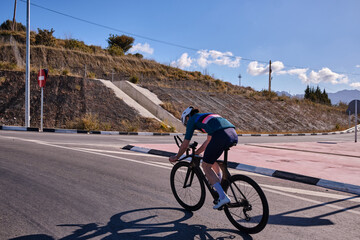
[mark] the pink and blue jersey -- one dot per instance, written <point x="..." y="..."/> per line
<point x="207" y="123"/>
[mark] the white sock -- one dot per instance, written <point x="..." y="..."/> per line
<point x="219" y="175"/>
<point x="219" y="190"/>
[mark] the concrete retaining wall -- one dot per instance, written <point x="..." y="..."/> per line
<point x="150" y="102"/>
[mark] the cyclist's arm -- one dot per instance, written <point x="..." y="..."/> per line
<point x="203" y="146"/>
<point x="183" y="147"/>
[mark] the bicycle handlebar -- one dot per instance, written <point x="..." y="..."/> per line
<point x="191" y="146"/>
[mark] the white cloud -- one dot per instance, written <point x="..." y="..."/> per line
<point x="183" y="62"/>
<point x="328" y="76"/>
<point x="355" y="85"/>
<point x="324" y="75"/>
<point x="300" y="72"/>
<point x="207" y="57"/>
<point x="145" y="48"/>
<point x="255" y="69"/>
<point x="358" y="66"/>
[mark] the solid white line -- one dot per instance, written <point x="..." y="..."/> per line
<point x="312" y="193"/>
<point x="80" y="150"/>
<point x="126" y="152"/>
<point x="166" y="167"/>
<point x="310" y="200"/>
<point x="162" y="163"/>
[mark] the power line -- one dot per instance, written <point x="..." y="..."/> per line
<point x="133" y="34"/>
<point x="166" y="42"/>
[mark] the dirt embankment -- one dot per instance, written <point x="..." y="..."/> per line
<point x="249" y="114"/>
<point x="69" y="97"/>
<point x="68" y="103"/>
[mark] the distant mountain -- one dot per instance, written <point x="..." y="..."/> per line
<point x="283" y="93"/>
<point x="345" y="96"/>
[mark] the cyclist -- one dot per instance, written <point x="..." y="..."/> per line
<point x="221" y="136"/>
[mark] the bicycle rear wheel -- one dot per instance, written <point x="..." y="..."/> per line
<point x="248" y="210"/>
<point x="187" y="187"/>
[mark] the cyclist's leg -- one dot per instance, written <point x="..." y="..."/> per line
<point x="212" y="152"/>
<point x="210" y="173"/>
<point x="217" y="170"/>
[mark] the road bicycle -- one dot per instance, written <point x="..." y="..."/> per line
<point x="248" y="209"/>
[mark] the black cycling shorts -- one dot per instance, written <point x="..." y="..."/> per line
<point x="220" y="140"/>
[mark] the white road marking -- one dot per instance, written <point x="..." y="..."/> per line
<point x="311" y="193"/>
<point x="312" y="201"/>
<point x="126" y="152"/>
<point x="264" y="187"/>
<point x="86" y="151"/>
<point x="162" y="163"/>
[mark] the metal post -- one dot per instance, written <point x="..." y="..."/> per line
<point x="356" y="120"/>
<point x="270" y="77"/>
<point x="13" y="25"/>
<point x="349" y="119"/>
<point x="27" y="75"/>
<point x="42" y="109"/>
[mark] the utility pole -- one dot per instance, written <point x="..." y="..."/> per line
<point x="270" y="77"/>
<point x="27" y="75"/>
<point x="239" y="80"/>
<point x="13" y="25"/>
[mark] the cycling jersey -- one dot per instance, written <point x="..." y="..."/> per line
<point x="207" y="123"/>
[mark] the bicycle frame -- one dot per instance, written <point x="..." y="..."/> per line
<point x="239" y="210"/>
<point x="195" y="163"/>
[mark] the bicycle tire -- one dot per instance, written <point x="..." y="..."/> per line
<point x="253" y="216"/>
<point x="191" y="197"/>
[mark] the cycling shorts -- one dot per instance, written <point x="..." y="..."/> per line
<point x="221" y="140"/>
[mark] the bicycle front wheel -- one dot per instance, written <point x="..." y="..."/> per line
<point x="248" y="210"/>
<point x="187" y="187"/>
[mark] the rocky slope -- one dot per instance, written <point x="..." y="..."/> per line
<point x="68" y="97"/>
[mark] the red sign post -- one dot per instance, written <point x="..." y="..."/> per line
<point x="42" y="75"/>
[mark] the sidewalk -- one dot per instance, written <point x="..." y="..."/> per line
<point x="333" y="165"/>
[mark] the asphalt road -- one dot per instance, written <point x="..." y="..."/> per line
<point x="74" y="186"/>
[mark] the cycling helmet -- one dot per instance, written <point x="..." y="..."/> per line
<point x="185" y="114"/>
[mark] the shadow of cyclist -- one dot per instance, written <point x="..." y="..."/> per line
<point x="148" y="223"/>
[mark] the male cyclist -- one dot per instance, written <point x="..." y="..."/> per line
<point x="221" y="136"/>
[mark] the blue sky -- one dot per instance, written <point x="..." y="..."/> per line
<point x="313" y="42"/>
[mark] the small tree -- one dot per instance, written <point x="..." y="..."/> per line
<point x="7" y="25"/>
<point x="316" y="95"/>
<point x="116" y="50"/>
<point x="123" y="41"/>
<point x="45" y="37"/>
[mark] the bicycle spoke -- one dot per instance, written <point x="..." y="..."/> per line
<point x="188" y="190"/>
<point x="251" y="214"/>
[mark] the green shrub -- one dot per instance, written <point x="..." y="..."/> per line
<point x="45" y="37"/>
<point x="7" y="65"/>
<point x="7" y="25"/>
<point x="65" y="72"/>
<point x="91" y="75"/>
<point x="116" y="51"/>
<point x="134" y="79"/>
<point x="2" y="80"/>
<point x="74" y="44"/>
<point x="89" y="122"/>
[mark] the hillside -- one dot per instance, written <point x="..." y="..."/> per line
<point x="69" y="102"/>
<point x="69" y="97"/>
